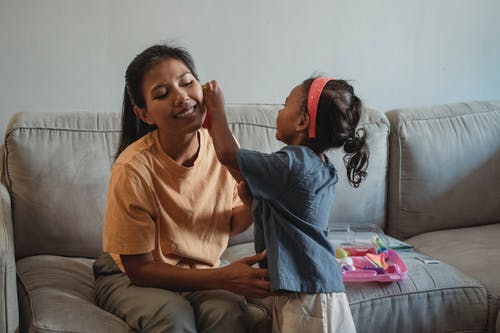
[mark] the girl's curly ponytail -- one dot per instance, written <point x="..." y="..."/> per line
<point x="356" y="158"/>
<point x="339" y="111"/>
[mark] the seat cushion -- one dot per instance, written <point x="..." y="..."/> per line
<point x="474" y="251"/>
<point x="434" y="298"/>
<point x="56" y="294"/>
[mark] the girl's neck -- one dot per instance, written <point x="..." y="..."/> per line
<point x="302" y="140"/>
<point x="182" y="149"/>
<point x="299" y="139"/>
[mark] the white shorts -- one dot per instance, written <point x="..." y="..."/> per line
<point x="323" y="313"/>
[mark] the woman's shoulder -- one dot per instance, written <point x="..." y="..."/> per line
<point x="137" y="154"/>
<point x="207" y="149"/>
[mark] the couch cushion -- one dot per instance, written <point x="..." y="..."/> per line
<point x="366" y="204"/>
<point x="57" y="295"/>
<point x="472" y="250"/>
<point x="437" y="298"/>
<point x="57" y="170"/>
<point x="445" y="168"/>
<point x="434" y="298"/>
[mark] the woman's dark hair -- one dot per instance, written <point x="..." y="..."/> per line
<point x="134" y="128"/>
<point x="339" y="111"/>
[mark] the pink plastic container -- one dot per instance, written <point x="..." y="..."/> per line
<point x="363" y="275"/>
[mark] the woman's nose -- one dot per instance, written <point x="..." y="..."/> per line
<point x="180" y="97"/>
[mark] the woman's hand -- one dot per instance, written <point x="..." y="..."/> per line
<point x="243" y="279"/>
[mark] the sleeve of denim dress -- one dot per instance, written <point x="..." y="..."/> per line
<point x="266" y="175"/>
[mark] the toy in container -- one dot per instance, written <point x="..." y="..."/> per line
<point x="364" y="255"/>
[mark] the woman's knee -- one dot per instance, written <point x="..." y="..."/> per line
<point x="172" y="316"/>
<point x="219" y="311"/>
<point x="145" y="309"/>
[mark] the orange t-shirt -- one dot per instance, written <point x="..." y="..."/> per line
<point x="180" y="214"/>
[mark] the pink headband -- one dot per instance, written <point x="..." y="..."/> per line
<point x="312" y="102"/>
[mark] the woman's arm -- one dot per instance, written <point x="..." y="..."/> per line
<point x="238" y="277"/>
<point x="241" y="219"/>
<point x="242" y="215"/>
<point x="224" y="142"/>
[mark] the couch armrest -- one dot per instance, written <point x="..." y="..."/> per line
<point x="9" y="313"/>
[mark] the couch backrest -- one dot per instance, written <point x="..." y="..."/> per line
<point x="444" y="167"/>
<point x="57" y="169"/>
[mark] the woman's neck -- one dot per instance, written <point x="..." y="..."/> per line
<point x="182" y="149"/>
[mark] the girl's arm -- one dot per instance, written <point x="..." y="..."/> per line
<point x="238" y="277"/>
<point x="224" y="142"/>
<point x="226" y="148"/>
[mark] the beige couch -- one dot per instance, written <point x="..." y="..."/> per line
<point x="433" y="180"/>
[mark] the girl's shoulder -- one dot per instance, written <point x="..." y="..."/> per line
<point x="298" y="149"/>
<point x="305" y="159"/>
<point x="301" y="153"/>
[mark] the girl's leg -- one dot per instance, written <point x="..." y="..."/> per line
<point x="144" y="309"/>
<point x="299" y="312"/>
<point x="338" y="313"/>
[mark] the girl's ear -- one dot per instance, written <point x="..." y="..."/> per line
<point x="302" y="122"/>
<point x="143" y="115"/>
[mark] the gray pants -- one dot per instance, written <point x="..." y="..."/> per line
<point x="160" y="310"/>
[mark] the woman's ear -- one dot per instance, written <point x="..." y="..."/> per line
<point x="302" y="122"/>
<point x="143" y="115"/>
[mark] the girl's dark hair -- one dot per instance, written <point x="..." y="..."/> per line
<point x="339" y="111"/>
<point x="134" y="128"/>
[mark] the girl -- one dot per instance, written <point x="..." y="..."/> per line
<point x="293" y="190"/>
<point x="171" y="209"/>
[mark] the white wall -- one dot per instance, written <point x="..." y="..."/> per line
<point x="66" y="55"/>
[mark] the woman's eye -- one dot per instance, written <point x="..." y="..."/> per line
<point x="162" y="95"/>
<point x="187" y="84"/>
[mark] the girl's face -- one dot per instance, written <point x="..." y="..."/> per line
<point x="290" y="121"/>
<point x="174" y="98"/>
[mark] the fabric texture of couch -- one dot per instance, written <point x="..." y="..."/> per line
<point x="433" y="180"/>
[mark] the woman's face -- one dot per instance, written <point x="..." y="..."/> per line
<point x="290" y="116"/>
<point x="174" y="98"/>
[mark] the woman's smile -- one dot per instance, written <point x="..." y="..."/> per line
<point x="187" y="110"/>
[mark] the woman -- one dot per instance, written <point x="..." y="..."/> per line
<point x="171" y="209"/>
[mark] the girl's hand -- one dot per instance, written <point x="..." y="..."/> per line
<point x="213" y="97"/>
<point x="243" y="279"/>
<point x="245" y="194"/>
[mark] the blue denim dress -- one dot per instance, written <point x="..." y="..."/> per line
<point x="293" y="191"/>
